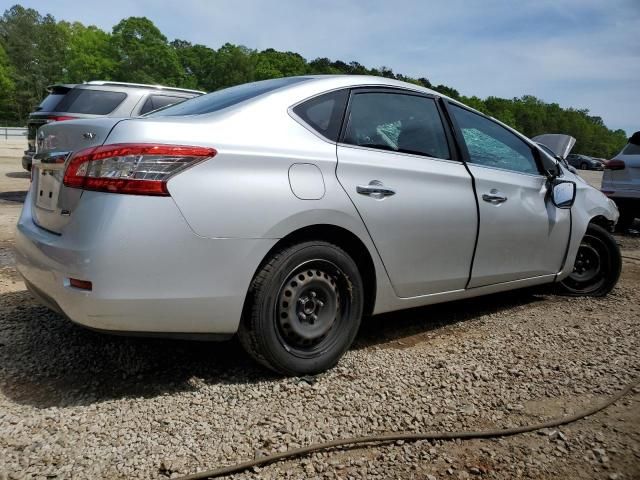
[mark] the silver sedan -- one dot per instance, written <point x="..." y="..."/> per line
<point x="287" y="210"/>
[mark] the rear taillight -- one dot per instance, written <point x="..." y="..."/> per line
<point x="81" y="284"/>
<point x="138" y="169"/>
<point x="614" y="164"/>
<point x="59" y="118"/>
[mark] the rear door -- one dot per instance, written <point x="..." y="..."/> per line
<point x="397" y="164"/>
<point x="522" y="234"/>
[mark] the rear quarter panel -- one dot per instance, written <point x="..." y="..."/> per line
<point x="244" y="192"/>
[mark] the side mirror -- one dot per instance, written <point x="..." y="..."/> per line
<point x="563" y="193"/>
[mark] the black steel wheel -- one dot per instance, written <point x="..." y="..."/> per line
<point x="304" y="309"/>
<point x="597" y="265"/>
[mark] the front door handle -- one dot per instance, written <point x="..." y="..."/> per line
<point x="375" y="189"/>
<point x="494" y="196"/>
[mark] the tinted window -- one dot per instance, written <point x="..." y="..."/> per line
<point x="50" y="102"/>
<point x="492" y="145"/>
<point x="155" y="102"/>
<point x="397" y="122"/>
<point x="227" y="97"/>
<point x="96" y="102"/>
<point x="324" y="113"/>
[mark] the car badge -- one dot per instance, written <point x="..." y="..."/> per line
<point x="89" y="135"/>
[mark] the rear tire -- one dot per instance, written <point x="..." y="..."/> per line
<point x="584" y="166"/>
<point x="597" y="266"/>
<point x="303" y="309"/>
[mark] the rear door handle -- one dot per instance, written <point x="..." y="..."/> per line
<point x="494" y="196"/>
<point x="375" y="189"/>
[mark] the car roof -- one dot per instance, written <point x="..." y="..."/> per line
<point x="342" y="81"/>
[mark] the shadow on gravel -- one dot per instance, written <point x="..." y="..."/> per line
<point x="13" y="197"/>
<point x="408" y="326"/>
<point x="18" y="174"/>
<point x="47" y="361"/>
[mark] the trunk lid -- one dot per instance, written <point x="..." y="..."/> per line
<point x="52" y="202"/>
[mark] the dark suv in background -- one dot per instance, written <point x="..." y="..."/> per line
<point x="98" y="99"/>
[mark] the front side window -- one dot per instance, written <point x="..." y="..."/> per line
<point x="492" y="145"/>
<point x="95" y="102"/>
<point x="396" y="122"/>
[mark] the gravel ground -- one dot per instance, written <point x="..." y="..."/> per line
<point x="76" y="404"/>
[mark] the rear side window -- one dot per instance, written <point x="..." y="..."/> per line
<point x="50" y="102"/>
<point x="154" y="102"/>
<point x="324" y="113"/>
<point x="397" y="122"/>
<point x="95" y="102"/>
<point x="492" y="145"/>
<point x="227" y="97"/>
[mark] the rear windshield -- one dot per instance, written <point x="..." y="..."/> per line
<point x="227" y="97"/>
<point x="95" y="102"/>
<point x="50" y="102"/>
<point x="631" y="149"/>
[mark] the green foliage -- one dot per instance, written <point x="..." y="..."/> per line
<point x="36" y="51"/>
<point x="143" y="54"/>
<point x="35" y="48"/>
<point x="90" y="54"/>
<point x="7" y="87"/>
<point x="273" y="64"/>
<point x="234" y="64"/>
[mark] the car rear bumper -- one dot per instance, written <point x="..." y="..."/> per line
<point x="149" y="272"/>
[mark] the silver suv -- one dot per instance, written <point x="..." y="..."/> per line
<point x="99" y="99"/>
<point x="621" y="181"/>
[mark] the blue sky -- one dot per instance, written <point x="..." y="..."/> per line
<point x="579" y="53"/>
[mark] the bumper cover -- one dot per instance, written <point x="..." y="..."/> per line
<point x="150" y="272"/>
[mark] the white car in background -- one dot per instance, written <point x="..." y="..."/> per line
<point x="621" y="182"/>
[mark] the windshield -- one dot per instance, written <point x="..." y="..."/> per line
<point x="224" y="98"/>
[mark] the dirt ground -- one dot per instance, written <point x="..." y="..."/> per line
<point x="603" y="446"/>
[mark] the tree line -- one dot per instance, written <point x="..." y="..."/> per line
<point x="37" y="51"/>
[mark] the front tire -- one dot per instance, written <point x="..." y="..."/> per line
<point x="584" y="166"/>
<point x="303" y="309"/>
<point x="597" y="266"/>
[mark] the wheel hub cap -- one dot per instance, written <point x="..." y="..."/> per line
<point x="307" y="307"/>
<point x="587" y="264"/>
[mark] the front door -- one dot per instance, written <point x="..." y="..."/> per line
<point x="396" y="164"/>
<point x="522" y="234"/>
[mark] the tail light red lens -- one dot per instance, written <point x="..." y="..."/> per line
<point x="81" y="284"/>
<point x="137" y="169"/>
<point x="614" y="164"/>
